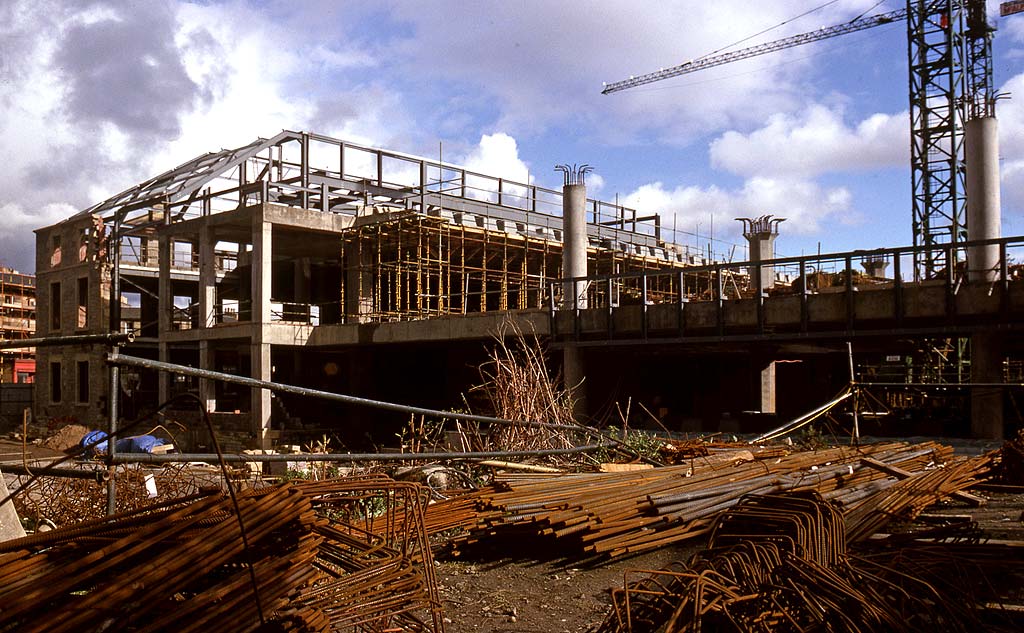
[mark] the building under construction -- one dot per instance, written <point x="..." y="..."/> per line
<point x="17" y="321"/>
<point x="311" y="261"/>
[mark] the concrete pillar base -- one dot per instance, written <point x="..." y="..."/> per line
<point x="207" y="391"/>
<point x="986" y="402"/>
<point x="766" y="394"/>
<point x="573" y="375"/>
<point x="261" y="397"/>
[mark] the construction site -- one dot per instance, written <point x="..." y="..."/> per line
<point x="313" y="385"/>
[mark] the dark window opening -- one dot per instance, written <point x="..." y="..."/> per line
<point x="55" y="383"/>
<point x="55" y="307"/>
<point x="83" y="302"/>
<point x="83" y="382"/>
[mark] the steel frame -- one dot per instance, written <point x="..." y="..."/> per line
<point x="936" y="54"/>
<point x="317" y="172"/>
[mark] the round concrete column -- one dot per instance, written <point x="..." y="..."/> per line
<point x="574" y="244"/>
<point x="983" y="204"/>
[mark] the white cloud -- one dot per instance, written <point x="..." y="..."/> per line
<point x="1012" y="182"/>
<point x="1011" y="146"/>
<point x="498" y="155"/>
<point x="543" y="64"/>
<point x="818" y="141"/>
<point x="805" y="205"/>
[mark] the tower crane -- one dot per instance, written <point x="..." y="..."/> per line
<point x="950" y="63"/>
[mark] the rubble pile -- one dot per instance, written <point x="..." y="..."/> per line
<point x="1011" y="463"/>
<point x="66" y="501"/>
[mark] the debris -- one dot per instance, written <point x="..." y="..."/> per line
<point x="65" y="438"/>
<point x="621" y="468"/>
<point x="535" y="468"/>
<point x="1010" y="467"/>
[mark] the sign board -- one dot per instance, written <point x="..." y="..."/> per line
<point x="1009" y="8"/>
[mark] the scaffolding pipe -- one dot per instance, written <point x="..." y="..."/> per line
<point x="800" y="421"/>
<point x="146" y="458"/>
<point x="113" y="338"/>
<point x="118" y="359"/>
<point x="98" y="476"/>
<point x="114" y="402"/>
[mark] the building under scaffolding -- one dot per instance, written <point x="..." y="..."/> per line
<point x="17" y="321"/>
<point x="285" y="259"/>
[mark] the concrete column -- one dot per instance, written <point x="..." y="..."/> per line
<point x="875" y="267"/>
<point x="573" y="375"/>
<point x="165" y="309"/>
<point x="207" y="278"/>
<point x="983" y="204"/>
<point x="761" y="234"/>
<point x="766" y="395"/>
<point x="262" y="279"/>
<point x="261" y="370"/>
<point x="574" y="244"/>
<point x="207" y="391"/>
<point x="574" y="293"/>
<point x="986" y="402"/>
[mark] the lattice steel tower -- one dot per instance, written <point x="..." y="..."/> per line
<point x="949" y="44"/>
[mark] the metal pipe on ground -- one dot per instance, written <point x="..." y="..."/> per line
<point x="146" y="458"/>
<point x="67" y="473"/>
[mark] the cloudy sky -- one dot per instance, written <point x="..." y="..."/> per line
<point x="98" y="95"/>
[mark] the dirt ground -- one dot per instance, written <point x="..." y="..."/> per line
<point x="536" y="592"/>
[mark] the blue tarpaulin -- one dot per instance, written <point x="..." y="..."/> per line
<point x="136" y="444"/>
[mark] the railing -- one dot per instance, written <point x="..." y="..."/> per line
<point x="791" y="276"/>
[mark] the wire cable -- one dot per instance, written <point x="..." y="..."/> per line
<point x="771" y="28"/>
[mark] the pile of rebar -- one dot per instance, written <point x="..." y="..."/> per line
<point x="325" y="556"/>
<point x="67" y="501"/>
<point x="181" y="567"/>
<point x="375" y="563"/>
<point x="627" y="512"/>
<point x="779" y="563"/>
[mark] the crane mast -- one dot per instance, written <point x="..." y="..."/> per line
<point x="949" y="49"/>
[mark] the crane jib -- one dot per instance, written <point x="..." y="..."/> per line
<point x="702" y="63"/>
